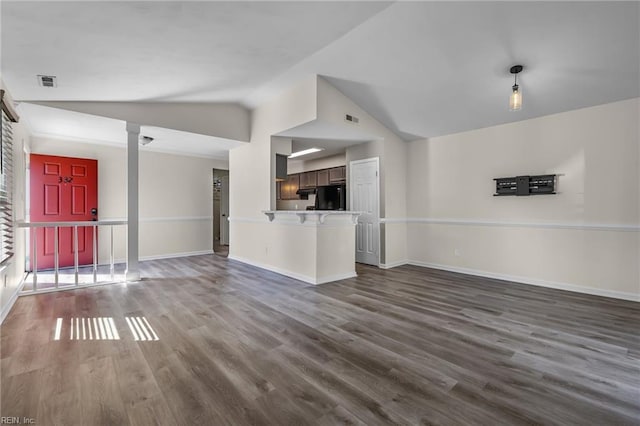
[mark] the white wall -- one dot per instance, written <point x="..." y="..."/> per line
<point x="252" y="167"/>
<point x="311" y="252"/>
<point x="176" y="197"/>
<point x="392" y="152"/>
<point x="584" y="238"/>
<point x="296" y="204"/>
<point x="176" y="202"/>
<point x="437" y="203"/>
<point x="252" y="176"/>
<point x="230" y="121"/>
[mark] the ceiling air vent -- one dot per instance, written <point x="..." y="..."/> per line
<point x="47" y="80"/>
<point x="351" y="118"/>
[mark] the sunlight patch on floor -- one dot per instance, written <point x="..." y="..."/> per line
<point x="141" y="329"/>
<point x="102" y="328"/>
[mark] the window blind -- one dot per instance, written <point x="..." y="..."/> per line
<point x="6" y="190"/>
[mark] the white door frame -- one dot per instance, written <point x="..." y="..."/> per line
<point x="224" y="210"/>
<point x="351" y="183"/>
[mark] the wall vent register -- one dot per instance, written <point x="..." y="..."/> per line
<point x="351" y="118"/>
<point x="526" y="185"/>
<point x="47" y="80"/>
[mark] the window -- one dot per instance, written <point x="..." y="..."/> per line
<point x="6" y="189"/>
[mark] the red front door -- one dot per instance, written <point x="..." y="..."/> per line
<point x="63" y="189"/>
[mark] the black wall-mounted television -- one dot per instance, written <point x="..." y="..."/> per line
<point x="331" y="197"/>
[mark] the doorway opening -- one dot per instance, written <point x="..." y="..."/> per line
<point x="221" y="212"/>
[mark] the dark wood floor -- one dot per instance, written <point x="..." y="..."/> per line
<point x="240" y="345"/>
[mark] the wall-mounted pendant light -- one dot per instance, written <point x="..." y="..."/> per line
<point x="515" y="100"/>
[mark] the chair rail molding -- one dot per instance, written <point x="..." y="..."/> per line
<point x="508" y="224"/>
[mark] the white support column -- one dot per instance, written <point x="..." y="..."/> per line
<point x="133" y="134"/>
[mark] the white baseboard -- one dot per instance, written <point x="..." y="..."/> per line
<point x="12" y="300"/>
<point x="305" y="278"/>
<point x="297" y="276"/>
<point x="337" y="277"/>
<point x="164" y="256"/>
<point x="393" y="264"/>
<point x="174" y="255"/>
<point x="532" y="281"/>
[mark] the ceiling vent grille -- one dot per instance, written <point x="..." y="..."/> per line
<point x="351" y="119"/>
<point x="48" y="80"/>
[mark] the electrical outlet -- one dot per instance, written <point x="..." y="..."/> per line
<point x="457" y="252"/>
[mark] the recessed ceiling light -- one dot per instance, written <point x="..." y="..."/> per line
<point x="305" y="152"/>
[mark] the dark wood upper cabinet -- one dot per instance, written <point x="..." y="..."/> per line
<point x="338" y="174"/>
<point x="289" y="187"/>
<point x="323" y="177"/>
<point x="308" y="180"/>
<point x="286" y="190"/>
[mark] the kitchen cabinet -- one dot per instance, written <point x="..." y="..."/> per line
<point x="286" y="189"/>
<point x="323" y="177"/>
<point x="308" y="180"/>
<point x="338" y="175"/>
<point x="289" y="187"/>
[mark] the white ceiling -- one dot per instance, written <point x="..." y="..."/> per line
<point x="171" y="50"/>
<point x="346" y="134"/>
<point x="421" y="68"/>
<point x="433" y="68"/>
<point x="56" y="123"/>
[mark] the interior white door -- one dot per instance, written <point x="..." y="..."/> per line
<point x="365" y="197"/>
<point x="224" y="210"/>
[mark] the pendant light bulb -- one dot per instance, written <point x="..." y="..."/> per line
<point x="515" y="100"/>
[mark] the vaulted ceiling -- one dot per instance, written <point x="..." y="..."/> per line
<point x="421" y="68"/>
